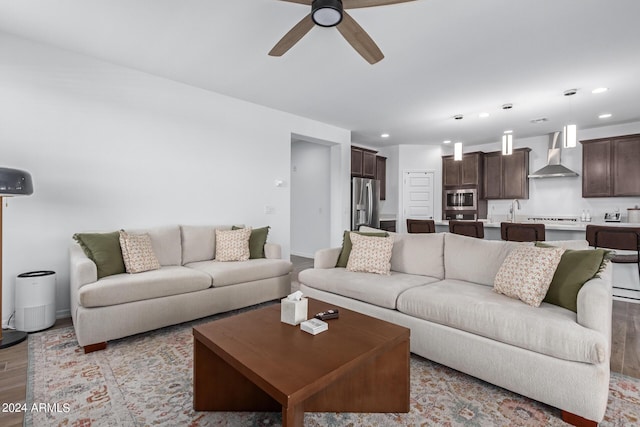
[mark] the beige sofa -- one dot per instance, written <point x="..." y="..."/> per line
<point x="189" y="285"/>
<point x="440" y="287"/>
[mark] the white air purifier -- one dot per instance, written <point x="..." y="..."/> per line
<point x="35" y="301"/>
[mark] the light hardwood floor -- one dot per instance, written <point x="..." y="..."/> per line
<point x="625" y="352"/>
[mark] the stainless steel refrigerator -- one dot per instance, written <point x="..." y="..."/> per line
<point x="365" y="203"/>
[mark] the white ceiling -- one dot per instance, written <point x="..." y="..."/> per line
<point x="442" y="58"/>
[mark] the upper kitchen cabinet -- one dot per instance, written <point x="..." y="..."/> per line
<point x="363" y="162"/>
<point x="366" y="164"/>
<point x="381" y="175"/>
<point x="465" y="172"/>
<point x="610" y="166"/>
<point x="506" y="177"/>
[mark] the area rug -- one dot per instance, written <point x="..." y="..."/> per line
<point x="146" y="380"/>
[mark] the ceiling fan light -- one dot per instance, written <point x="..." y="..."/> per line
<point x="326" y="13"/>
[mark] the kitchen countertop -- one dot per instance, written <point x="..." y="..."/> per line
<point x="570" y="226"/>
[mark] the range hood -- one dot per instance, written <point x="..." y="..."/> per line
<point x="553" y="169"/>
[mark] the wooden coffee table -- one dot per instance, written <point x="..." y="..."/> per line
<point x="254" y="362"/>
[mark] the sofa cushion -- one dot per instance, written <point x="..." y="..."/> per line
<point x="419" y="254"/>
<point x="166" y="242"/>
<point x="548" y="329"/>
<point x="345" y="252"/>
<point x="257" y="240"/>
<point x="233" y="245"/>
<point x="370" y="254"/>
<point x="231" y="273"/>
<point x="198" y="242"/>
<point x="575" y="269"/>
<point x="474" y="260"/>
<point x="104" y="250"/>
<point x="374" y="289"/>
<point x="123" y="288"/>
<point x="526" y="273"/>
<point x="137" y="252"/>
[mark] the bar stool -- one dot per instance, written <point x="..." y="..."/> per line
<point x="623" y="238"/>
<point x="421" y="226"/>
<point x="519" y="232"/>
<point x="467" y="228"/>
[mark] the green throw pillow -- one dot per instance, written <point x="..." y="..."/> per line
<point x="256" y="241"/>
<point x="346" y="245"/>
<point x="104" y="250"/>
<point x="575" y="269"/>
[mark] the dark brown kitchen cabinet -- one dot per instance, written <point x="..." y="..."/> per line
<point x="506" y="177"/>
<point x="363" y="162"/>
<point x="381" y="175"/>
<point x="465" y="172"/>
<point x="610" y="167"/>
<point x="492" y="175"/>
<point x="388" y="225"/>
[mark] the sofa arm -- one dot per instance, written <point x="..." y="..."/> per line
<point x="595" y="303"/>
<point x="272" y="251"/>
<point x="81" y="269"/>
<point x="326" y="258"/>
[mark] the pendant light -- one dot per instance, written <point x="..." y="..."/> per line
<point x="507" y="143"/>
<point x="457" y="151"/>
<point x="569" y="137"/>
<point x="569" y="134"/>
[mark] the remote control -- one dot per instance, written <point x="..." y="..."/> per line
<point x="329" y="314"/>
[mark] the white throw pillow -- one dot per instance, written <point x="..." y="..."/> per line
<point x="232" y="245"/>
<point x="526" y="273"/>
<point x="137" y="252"/>
<point x="370" y="254"/>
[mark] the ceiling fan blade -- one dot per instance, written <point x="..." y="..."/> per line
<point x="359" y="39"/>
<point x="293" y="36"/>
<point x="355" y="4"/>
<point x="307" y="2"/>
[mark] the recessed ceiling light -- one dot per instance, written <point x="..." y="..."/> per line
<point x="483" y="115"/>
<point x="384" y="135"/>
<point x="600" y="90"/>
<point x="458" y="117"/>
<point x="508" y="131"/>
<point x="507" y="106"/>
<point x="448" y="141"/>
<point x="604" y="116"/>
<point x="570" y="92"/>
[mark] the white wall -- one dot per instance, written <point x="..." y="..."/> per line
<point x="310" y="197"/>
<point x="109" y="147"/>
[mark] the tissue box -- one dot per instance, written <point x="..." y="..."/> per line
<point x="293" y="312"/>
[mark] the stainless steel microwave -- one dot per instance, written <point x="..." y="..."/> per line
<point x="461" y="199"/>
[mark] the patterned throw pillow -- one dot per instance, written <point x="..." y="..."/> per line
<point x="370" y="254"/>
<point x="233" y="245"/>
<point x="137" y="252"/>
<point x="526" y="273"/>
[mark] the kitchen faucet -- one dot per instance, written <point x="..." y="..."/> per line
<point x="515" y="205"/>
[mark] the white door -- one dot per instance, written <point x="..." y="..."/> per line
<point x="417" y="197"/>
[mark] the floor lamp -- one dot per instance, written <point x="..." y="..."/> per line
<point x="13" y="182"/>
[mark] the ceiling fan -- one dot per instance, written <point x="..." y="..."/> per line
<point x="331" y="13"/>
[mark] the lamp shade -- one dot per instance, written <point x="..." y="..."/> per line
<point x="15" y="182"/>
